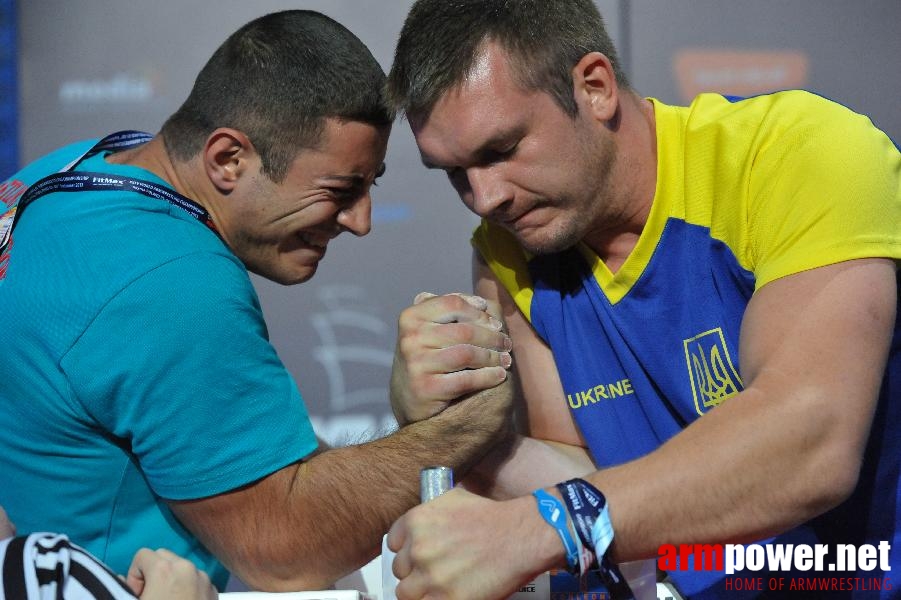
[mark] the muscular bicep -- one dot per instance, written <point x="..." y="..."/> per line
<point x="542" y="411"/>
<point x="819" y="340"/>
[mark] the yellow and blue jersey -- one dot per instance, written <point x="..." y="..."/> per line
<point x="748" y="191"/>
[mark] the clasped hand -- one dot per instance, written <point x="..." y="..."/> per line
<point x="452" y="548"/>
<point x="448" y="347"/>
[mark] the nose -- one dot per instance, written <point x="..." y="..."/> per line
<point x="488" y="191"/>
<point x="357" y="218"/>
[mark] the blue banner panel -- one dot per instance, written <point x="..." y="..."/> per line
<point x="9" y="136"/>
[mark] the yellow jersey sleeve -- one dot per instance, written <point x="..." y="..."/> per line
<point x="826" y="189"/>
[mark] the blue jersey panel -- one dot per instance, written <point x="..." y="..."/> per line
<point x="633" y="373"/>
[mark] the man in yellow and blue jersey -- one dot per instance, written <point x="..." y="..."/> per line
<point x="702" y="301"/>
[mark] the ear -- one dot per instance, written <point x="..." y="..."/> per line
<point x="227" y="155"/>
<point x="595" y="87"/>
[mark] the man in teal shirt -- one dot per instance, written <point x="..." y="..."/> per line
<point x="141" y="402"/>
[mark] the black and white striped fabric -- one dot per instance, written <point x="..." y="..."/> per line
<point x="47" y="566"/>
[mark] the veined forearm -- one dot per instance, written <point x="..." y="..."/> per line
<point x="520" y="465"/>
<point x="746" y="471"/>
<point x="335" y="508"/>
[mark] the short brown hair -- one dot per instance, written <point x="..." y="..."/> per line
<point x="277" y="79"/>
<point x="544" y="39"/>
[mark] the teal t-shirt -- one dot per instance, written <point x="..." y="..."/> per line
<point x="136" y="368"/>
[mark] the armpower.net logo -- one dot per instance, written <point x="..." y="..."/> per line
<point x="791" y="567"/>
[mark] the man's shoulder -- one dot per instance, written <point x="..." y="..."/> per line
<point x="52" y="162"/>
<point x="780" y="100"/>
<point x="781" y="112"/>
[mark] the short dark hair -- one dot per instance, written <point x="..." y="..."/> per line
<point x="543" y="39"/>
<point x="277" y="79"/>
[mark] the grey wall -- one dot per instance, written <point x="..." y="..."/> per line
<point x="94" y="66"/>
<point x="851" y="50"/>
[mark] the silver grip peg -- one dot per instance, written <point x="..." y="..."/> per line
<point x="434" y="481"/>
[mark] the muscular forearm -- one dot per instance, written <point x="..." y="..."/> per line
<point x="311" y="523"/>
<point x="523" y="464"/>
<point x="746" y="471"/>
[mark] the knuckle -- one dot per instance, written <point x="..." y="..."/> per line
<point x="461" y="383"/>
<point x="433" y="387"/>
<point x="463" y="355"/>
<point x="424" y="388"/>
<point x="499" y="341"/>
<point x="183" y="567"/>
<point x="483" y="357"/>
<point x="418" y="551"/>
<point x="454" y="302"/>
<point x="454" y="385"/>
<point x="407" y="319"/>
<point x="461" y="333"/>
<point x="458" y="357"/>
<point x="411" y="344"/>
<point x="406" y="343"/>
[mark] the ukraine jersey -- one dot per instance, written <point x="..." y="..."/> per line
<point x="748" y="191"/>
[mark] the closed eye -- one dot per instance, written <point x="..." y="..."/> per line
<point x="344" y="195"/>
<point x="496" y="156"/>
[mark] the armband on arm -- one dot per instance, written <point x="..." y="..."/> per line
<point x="590" y="516"/>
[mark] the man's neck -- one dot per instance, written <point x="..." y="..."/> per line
<point x="633" y="184"/>
<point x="154" y="157"/>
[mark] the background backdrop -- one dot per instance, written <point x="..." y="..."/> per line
<point x="90" y="67"/>
<point x="73" y="70"/>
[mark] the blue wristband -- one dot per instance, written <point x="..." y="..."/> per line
<point x="554" y="514"/>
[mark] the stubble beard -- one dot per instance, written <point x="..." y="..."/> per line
<point x="586" y="212"/>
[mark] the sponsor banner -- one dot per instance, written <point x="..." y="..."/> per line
<point x="738" y="73"/>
